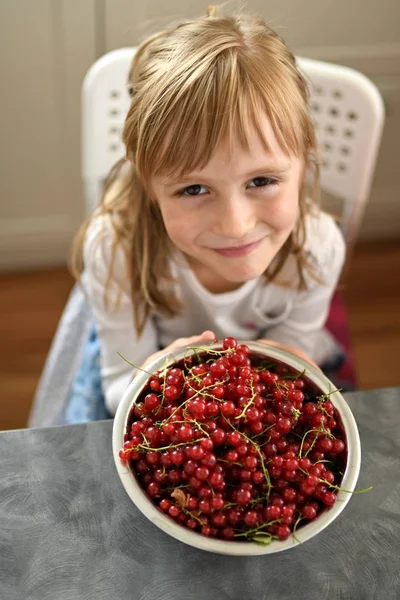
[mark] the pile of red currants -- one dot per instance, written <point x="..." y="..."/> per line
<point x="236" y="447"/>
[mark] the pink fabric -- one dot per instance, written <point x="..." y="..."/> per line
<point x="337" y="324"/>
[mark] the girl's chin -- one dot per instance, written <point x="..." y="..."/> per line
<point x="242" y="273"/>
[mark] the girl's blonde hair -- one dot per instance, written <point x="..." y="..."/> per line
<point x="193" y="85"/>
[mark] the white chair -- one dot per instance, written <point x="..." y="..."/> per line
<point x="346" y="106"/>
<point x="348" y="114"/>
<point x="105" y="103"/>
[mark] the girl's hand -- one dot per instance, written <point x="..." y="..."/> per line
<point x="206" y="336"/>
<point x="290" y="349"/>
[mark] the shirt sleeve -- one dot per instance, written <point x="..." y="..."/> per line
<point x="304" y="326"/>
<point x="114" y="321"/>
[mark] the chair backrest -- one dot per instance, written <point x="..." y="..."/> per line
<point x="105" y="103"/>
<point x="348" y="114"/>
<point x="346" y="106"/>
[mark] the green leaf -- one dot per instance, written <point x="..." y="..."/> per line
<point x="263" y="539"/>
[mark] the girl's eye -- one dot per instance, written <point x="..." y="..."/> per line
<point x="262" y="182"/>
<point x="193" y="190"/>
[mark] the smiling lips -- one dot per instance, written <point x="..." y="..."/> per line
<point x="236" y="251"/>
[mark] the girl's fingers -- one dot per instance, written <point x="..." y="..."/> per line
<point x="193" y="339"/>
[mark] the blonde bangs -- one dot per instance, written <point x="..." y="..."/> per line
<point x="219" y="101"/>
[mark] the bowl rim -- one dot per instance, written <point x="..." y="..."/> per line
<point x="233" y="548"/>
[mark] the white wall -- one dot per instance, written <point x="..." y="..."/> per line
<point x="46" y="46"/>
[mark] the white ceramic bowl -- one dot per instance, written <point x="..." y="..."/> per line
<point x="304" y="533"/>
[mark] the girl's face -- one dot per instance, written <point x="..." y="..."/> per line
<point x="231" y="218"/>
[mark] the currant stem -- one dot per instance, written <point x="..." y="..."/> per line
<point x="170" y="447"/>
<point x="257" y="529"/>
<point x="300" y="518"/>
<point x="133" y="364"/>
<point x="340" y="489"/>
<point x="257" y="447"/>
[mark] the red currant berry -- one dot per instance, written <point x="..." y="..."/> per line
<point x="243" y="496"/>
<point x="229" y="343"/>
<point x="283" y="532"/>
<point x="218" y="437"/>
<point x="328" y="498"/>
<point x="185" y="433"/>
<point x="337" y="446"/>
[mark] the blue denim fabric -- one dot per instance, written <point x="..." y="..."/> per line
<point x="86" y="399"/>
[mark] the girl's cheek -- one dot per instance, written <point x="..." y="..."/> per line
<point x="179" y="220"/>
<point x="180" y="227"/>
<point x="281" y="215"/>
<point x="171" y="216"/>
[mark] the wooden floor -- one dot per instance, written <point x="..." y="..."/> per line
<point x="31" y="305"/>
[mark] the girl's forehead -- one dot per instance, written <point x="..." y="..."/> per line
<point x="242" y="163"/>
<point x="260" y="141"/>
<point x="259" y="151"/>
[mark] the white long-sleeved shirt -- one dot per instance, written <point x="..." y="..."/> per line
<point x="252" y="311"/>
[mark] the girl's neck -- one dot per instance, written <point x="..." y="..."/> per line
<point x="211" y="281"/>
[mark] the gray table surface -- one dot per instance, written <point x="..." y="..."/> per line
<point x="68" y="531"/>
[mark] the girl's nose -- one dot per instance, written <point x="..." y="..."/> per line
<point x="236" y="218"/>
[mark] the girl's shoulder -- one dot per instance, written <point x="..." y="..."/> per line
<point x="102" y="231"/>
<point x="323" y="253"/>
<point x="99" y="234"/>
<point x="102" y="251"/>
<point x="324" y="243"/>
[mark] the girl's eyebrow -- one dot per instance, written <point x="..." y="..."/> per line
<point x="273" y="168"/>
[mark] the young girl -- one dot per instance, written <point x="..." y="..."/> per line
<point x="210" y="223"/>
